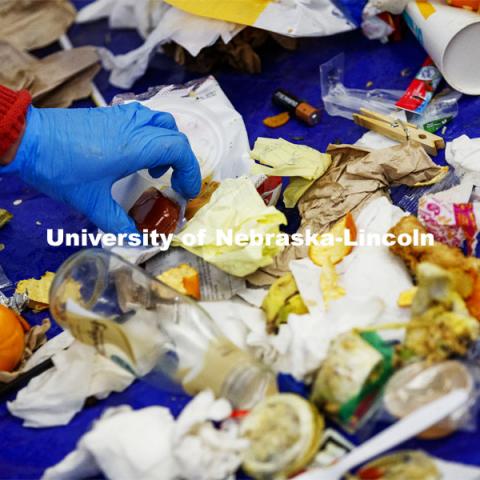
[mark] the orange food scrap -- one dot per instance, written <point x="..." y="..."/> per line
<point x="277" y="120"/>
<point x="473" y="302"/>
<point x="339" y="250"/>
<point x="473" y="5"/>
<point x="184" y="279"/>
<point x="12" y="339"/>
<point x="193" y="206"/>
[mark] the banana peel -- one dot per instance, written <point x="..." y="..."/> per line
<point x="282" y="299"/>
<point x="294" y="304"/>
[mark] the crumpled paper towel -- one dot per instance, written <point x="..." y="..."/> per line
<point x="297" y="349"/>
<point x="253" y="296"/>
<point x="372" y="277"/>
<point x="57" y="395"/>
<point x="149" y="444"/>
<point x="163" y="24"/>
<point x="143" y="15"/>
<point x="463" y="154"/>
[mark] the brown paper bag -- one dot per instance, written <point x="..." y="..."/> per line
<point x="355" y="177"/>
<point x="54" y="81"/>
<point x="31" y="24"/>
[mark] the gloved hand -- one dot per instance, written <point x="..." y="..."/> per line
<point x="76" y="155"/>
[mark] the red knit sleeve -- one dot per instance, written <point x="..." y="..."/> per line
<point x="13" y="107"/>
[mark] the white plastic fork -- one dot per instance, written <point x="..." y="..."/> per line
<point x="404" y="429"/>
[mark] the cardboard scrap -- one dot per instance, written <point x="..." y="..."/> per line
<point x="355" y="177"/>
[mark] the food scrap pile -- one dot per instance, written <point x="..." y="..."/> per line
<point x="364" y="328"/>
<point x="346" y="349"/>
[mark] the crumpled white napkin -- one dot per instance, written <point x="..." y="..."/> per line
<point x="60" y="342"/>
<point x="143" y="15"/>
<point x="463" y="154"/>
<point x="245" y="326"/>
<point x="149" y="444"/>
<point x="57" y="395"/>
<point x="373" y="26"/>
<point x="372" y="277"/>
<point x="159" y="26"/>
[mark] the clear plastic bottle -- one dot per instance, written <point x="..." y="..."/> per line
<point x="151" y="330"/>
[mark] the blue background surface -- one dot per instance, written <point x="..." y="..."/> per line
<point x="25" y="453"/>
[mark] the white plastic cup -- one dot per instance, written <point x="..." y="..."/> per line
<point x="451" y="36"/>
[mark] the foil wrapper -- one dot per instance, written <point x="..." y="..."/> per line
<point x="17" y="302"/>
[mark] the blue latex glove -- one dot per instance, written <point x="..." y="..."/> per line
<point x="76" y="155"/>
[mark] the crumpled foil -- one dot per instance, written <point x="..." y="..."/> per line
<point x="16" y="302"/>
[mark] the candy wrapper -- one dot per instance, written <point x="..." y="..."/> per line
<point x="451" y="217"/>
<point x="421" y="90"/>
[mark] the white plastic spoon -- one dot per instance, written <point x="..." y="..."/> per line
<point x="399" y="432"/>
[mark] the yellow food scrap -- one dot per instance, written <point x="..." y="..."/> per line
<point x="184" y="279"/>
<point x="441" y="326"/>
<point x="5" y="217"/>
<point x="405" y="298"/>
<point x="37" y="290"/>
<point x="281" y="300"/>
<point x="344" y="229"/>
<point x="329" y="283"/>
<point x="440" y="176"/>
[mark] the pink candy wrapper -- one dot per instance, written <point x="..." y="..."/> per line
<point x="455" y="224"/>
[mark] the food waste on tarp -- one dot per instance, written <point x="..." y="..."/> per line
<point x="366" y="331"/>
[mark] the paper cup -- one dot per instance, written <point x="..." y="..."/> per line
<point x="451" y="36"/>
